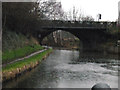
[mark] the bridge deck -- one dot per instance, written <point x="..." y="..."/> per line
<point x="74" y="28"/>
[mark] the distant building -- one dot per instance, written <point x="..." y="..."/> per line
<point x="119" y="12"/>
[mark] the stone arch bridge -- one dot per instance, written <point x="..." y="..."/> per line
<point x="92" y="34"/>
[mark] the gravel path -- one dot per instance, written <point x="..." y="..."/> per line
<point x="20" y="59"/>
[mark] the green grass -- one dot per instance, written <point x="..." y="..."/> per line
<point x="20" y="64"/>
<point x="10" y="55"/>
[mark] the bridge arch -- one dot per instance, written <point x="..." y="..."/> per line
<point x="91" y="37"/>
<point x="72" y="34"/>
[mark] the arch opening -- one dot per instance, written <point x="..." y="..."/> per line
<point x="62" y="39"/>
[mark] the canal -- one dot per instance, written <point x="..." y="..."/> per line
<point x="70" y="69"/>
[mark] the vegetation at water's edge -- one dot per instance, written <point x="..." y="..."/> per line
<point x="17" y="45"/>
<point x="11" y="70"/>
<point x="27" y="61"/>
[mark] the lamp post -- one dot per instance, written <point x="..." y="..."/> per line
<point x="99" y="16"/>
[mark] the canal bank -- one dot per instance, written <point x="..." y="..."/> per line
<point x="18" y="68"/>
<point x="111" y="47"/>
<point x="20" y="53"/>
<point x="67" y="69"/>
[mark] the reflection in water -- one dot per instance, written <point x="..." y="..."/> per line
<point x="69" y="69"/>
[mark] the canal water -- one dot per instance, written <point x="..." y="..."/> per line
<point x="70" y="69"/>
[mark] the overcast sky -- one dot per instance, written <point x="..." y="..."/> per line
<point x="108" y="8"/>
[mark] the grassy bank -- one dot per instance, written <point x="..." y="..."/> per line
<point x="10" y="55"/>
<point x="16" y="45"/>
<point x="12" y="40"/>
<point x="17" y="68"/>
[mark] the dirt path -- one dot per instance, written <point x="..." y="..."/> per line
<point x="20" y="59"/>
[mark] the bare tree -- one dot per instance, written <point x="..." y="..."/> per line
<point x="51" y="9"/>
<point x="87" y="18"/>
<point x="77" y="15"/>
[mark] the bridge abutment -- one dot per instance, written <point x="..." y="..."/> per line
<point x="91" y="47"/>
